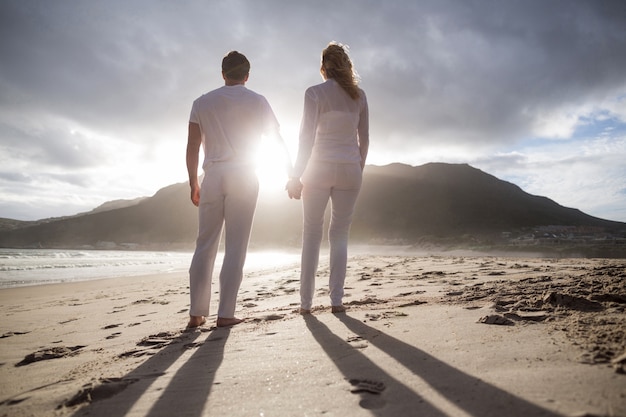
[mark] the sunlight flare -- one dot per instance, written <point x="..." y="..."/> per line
<point x="271" y="161"/>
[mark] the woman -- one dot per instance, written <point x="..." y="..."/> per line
<point x="334" y="140"/>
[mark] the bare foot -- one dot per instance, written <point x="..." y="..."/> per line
<point x="304" y="311"/>
<point x="338" y="309"/>
<point x="195" y="321"/>
<point x="227" y="322"/>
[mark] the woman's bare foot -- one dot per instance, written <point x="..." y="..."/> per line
<point x="304" y="311"/>
<point x="228" y="321"/>
<point x="338" y="309"/>
<point x="195" y="321"/>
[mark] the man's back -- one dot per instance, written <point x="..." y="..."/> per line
<point x="232" y="120"/>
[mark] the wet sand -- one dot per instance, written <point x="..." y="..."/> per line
<point x="424" y="335"/>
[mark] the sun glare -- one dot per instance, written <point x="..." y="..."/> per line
<point x="271" y="163"/>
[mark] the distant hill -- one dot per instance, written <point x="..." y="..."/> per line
<point x="117" y="204"/>
<point x="450" y="199"/>
<point x="433" y="203"/>
<point x="10" y="224"/>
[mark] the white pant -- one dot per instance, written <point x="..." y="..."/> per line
<point x="228" y="199"/>
<point x="340" y="183"/>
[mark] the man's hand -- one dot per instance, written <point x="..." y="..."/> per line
<point x="195" y="194"/>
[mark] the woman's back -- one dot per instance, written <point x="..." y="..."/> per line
<point x="338" y="117"/>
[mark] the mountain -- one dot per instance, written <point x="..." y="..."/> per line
<point x="398" y="203"/>
<point x="9" y="224"/>
<point x="116" y="204"/>
<point x="451" y="200"/>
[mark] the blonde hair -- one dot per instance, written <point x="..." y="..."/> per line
<point x="336" y="64"/>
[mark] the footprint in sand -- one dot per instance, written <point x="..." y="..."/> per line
<point x="269" y="317"/>
<point x="9" y="334"/>
<point x="413" y="303"/>
<point x="106" y="388"/>
<point x="357" y="342"/>
<point x="193" y="345"/>
<point x="496" y="319"/>
<point x="406" y="294"/>
<point x="366" y="387"/>
<point x="149" y="345"/>
<point x="50" y="353"/>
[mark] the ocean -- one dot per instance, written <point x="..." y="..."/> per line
<point x="24" y="267"/>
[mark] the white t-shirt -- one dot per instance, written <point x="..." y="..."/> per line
<point x="232" y="121"/>
<point x="332" y="124"/>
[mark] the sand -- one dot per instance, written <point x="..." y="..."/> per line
<point x="424" y="336"/>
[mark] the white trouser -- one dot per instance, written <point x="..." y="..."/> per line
<point x="228" y="199"/>
<point x="339" y="182"/>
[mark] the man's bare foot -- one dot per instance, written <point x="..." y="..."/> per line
<point x="338" y="309"/>
<point x="228" y="321"/>
<point x="195" y="321"/>
<point x="304" y="311"/>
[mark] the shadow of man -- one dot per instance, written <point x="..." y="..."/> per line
<point x="476" y="397"/>
<point x="188" y="391"/>
<point x="181" y="396"/>
<point x="396" y="399"/>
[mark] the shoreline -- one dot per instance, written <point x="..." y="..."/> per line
<point x="422" y="335"/>
<point x="42" y="267"/>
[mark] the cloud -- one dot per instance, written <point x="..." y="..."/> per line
<point x="104" y="89"/>
<point x="589" y="176"/>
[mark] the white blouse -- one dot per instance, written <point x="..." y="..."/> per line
<point x="332" y="125"/>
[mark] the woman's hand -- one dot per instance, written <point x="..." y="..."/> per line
<point x="294" y="188"/>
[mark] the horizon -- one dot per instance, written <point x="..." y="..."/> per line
<point x="267" y="191"/>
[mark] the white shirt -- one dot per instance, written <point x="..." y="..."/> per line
<point x="332" y="125"/>
<point x="232" y="121"/>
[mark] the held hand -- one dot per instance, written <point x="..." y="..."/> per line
<point x="294" y="188"/>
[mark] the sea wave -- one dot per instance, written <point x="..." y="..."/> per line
<point x="44" y="266"/>
<point x="39" y="266"/>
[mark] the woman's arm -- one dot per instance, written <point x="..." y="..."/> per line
<point x="308" y="127"/>
<point x="363" y="131"/>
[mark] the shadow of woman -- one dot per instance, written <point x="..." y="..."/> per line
<point x="396" y="399"/>
<point x="188" y="391"/>
<point x="474" y="396"/>
<point x="181" y="397"/>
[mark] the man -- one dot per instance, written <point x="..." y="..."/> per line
<point x="228" y="122"/>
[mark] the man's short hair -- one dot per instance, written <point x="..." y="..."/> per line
<point x="235" y="66"/>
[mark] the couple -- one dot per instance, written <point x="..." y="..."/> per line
<point x="228" y="123"/>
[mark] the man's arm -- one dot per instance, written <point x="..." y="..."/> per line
<point x="194" y="141"/>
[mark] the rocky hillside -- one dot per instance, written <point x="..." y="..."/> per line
<point x="398" y="204"/>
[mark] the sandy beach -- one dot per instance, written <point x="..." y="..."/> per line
<point x="450" y="335"/>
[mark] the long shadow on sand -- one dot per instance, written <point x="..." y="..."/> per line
<point x="188" y="390"/>
<point x="355" y="365"/>
<point x="475" y="397"/>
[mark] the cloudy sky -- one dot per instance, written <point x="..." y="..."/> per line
<point x="95" y="96"/>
